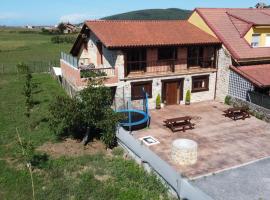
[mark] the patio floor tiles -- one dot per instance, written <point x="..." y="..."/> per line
<point x="222" y="142"/>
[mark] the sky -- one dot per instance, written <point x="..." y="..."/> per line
<point x="51" y="12"/>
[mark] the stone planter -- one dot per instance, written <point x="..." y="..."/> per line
<point x="184" y="152"/>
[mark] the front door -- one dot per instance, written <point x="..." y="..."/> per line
<point x="172" y="92"/>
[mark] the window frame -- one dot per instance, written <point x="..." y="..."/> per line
<point x="142" y="84"/>
<point x="200" y="78"/>
<point x="174" y="53"/>
<point x="252" y="43"/>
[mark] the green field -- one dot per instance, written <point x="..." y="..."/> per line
<point x="31" y="47"/>
<point x="98" y="176"/>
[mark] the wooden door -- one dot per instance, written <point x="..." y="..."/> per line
<point x="171" y="93"/>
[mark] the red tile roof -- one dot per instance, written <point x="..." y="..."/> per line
<point x="131" y="33"/>
<point x="230" y="25"/>
<point x="257" y="74"/>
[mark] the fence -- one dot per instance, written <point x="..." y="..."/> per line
<point x="70" y="59"/>
<point x="34" y="66"/>
<point x="259" y="99"/>
<point x="180" y="185"/>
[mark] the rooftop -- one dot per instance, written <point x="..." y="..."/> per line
<point x="257" y="74"/>
<point x="235" y="24"/>
<point x="132" y="33"/>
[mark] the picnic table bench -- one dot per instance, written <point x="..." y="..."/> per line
<point x="179" y="124"/>
<point x="237" y="113"/>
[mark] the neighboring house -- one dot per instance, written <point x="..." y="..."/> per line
<point x="163" y="57"/>
<point x="69" y="28"/>
<point x="245" y="34"/>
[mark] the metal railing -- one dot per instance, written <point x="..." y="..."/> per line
<point x="181" y="186"/>
<point x="169" y="65"/>
<point x="259" y="99"/>
<point x="70" y="59"/>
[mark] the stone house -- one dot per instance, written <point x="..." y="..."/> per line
<point x="245" y="35"/>
<point x="166" y="58"/>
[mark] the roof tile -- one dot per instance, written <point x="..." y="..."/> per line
<point x="130" y="33"/>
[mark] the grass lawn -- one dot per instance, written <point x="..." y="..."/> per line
<point x="101" y="175"/>
<point x="21" y="45"/>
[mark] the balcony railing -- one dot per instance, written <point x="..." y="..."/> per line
<point x="73" y="61"/>
<point x="168" y="66"/>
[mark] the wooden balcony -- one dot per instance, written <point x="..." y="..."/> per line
<point x="137" y="69"/>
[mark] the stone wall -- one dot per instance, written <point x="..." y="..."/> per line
<point x="123" y="90"/>
<point x="256" y="110"/>
<point x="224" y="62"/>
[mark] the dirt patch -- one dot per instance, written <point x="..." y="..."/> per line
<point x="72" y="148"/>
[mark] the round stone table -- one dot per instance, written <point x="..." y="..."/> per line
<point x="184" y="152"/>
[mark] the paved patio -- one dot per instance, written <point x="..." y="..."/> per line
<point x="222" y="143"/>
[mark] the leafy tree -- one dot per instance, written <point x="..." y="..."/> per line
<point x="28" y="87"/>
<point x="86" y="116"/>
<point x="61" y="27"/>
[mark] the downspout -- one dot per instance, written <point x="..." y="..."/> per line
<point x="217" y="64"/>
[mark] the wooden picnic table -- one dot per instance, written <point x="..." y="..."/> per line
<point x="179" y="123"/>
<point x="237" y="113"/>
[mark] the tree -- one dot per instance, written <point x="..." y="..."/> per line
<point x="86" y="116"/>
<point x="28" y="87"/>
<point x="61" y="27"/>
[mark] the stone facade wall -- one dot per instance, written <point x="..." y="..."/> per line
<point x="123" y="90"/>
<point x="224" y="62"/>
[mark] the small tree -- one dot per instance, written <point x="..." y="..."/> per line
<point x="86" y="116"/>
<point x="158" y="102"/>
<point x="61" y="27"/>
<point x="28" y="87"/>
<point x="188" y="98"/>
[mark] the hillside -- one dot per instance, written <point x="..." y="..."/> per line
<point x="152" y="14"/>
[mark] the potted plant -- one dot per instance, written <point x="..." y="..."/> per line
<point x="188" y="96"/>
<point x="158" y="102"/>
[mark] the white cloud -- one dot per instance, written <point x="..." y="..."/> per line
<point x="76" y="18"/>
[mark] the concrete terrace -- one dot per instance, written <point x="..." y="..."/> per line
<point x="222" y="143"/>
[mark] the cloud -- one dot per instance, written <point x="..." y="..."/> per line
<point x="7" y="16"/>
<point x="76" y="18"/>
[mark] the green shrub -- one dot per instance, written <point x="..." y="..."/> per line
<point x="227" y="100"/>
<point x="188" y="97"/>
<point x="87" y="116"/>
<point x="158" y="101"/>
<point x="92" y="74"/>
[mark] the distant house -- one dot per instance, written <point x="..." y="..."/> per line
<point x="29" y="27"/>
<point x="69" y="28"/>
<point x="245" y="34"/>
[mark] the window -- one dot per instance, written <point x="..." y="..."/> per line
<point x="167" y="53"/>
<point x="200" y="83"/>
<point x="137" y="90"/>
<point x="195" y="56"/>
<point x="255" y="40"/>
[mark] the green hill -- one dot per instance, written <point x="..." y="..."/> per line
<point x="152" y="14"/>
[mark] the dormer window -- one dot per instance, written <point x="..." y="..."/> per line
<point x="255" y="40"/>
